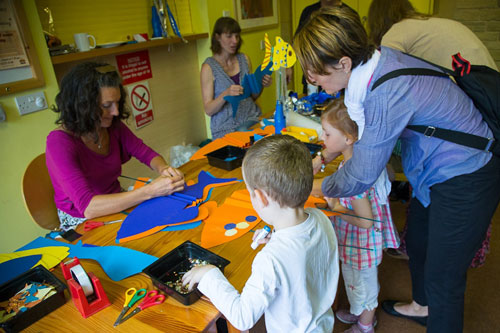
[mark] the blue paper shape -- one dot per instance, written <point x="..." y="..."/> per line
<point x="179" y="227"/>
<point x="156" y="212"/>
<point x="162" y="211"/>
<point x="31" y="298"/>
<point x="12" y="268"/>
<point x="257" y="137"/>
<point x="116" y="261"/>
<point x="252" y="84"/>
<point x="204" y="179"/>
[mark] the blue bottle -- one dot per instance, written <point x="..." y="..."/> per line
<point x="279" y="118"/>
<point x="155" y="21"/>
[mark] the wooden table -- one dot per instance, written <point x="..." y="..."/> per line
<point x="171" y="316"/>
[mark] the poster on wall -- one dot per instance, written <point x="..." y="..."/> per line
<point x="140" y="102"/>
<point x="12" y="52"/>
<point x="134" y="67"/>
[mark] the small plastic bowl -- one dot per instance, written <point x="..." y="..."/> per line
<point x="227" y="157"/>
<point x="175" y="263"/>
<point x="24" y="319"/>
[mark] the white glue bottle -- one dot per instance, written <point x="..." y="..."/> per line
<point x="260" y="236"/>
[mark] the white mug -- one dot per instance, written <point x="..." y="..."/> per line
<point x="82" y="41"/>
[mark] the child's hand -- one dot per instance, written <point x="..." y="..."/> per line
<point x="194" y="276"/>
<point x="333" y="203"/>
<point x="263" y="240"/>
<point x="317" y="163"/>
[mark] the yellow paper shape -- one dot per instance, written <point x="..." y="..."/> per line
<point x="51" y="255"/>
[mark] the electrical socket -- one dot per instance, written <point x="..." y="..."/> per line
<point x="31" y="103"/>
<point x="226" y="13"/>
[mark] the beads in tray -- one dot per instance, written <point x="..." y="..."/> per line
<point x="177" y="281"/>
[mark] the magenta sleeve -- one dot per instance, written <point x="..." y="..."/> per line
<point x="131" y="145"/>
<point x="67" y="176"/>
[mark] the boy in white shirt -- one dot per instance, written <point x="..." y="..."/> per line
<point x="294" y="277"/>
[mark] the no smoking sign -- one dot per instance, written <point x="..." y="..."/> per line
<point x="140" y="101"/>
<point x="140" y="97"/>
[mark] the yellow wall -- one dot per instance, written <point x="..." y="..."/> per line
<point x="106" y="20"/>
<point x="21" y="139"/>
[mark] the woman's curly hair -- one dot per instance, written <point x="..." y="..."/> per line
<point x="78" y="101"/>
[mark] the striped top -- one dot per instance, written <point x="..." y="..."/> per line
<point x="223" y="122"/>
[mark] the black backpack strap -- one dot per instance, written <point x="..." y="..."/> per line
<point x="407" y="71"/>
<point x="461" y="138"/>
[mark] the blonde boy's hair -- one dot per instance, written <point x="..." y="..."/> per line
<point x="336" y="115"/>
<point x="329" y="35"/>
<point x="281" y="166"/>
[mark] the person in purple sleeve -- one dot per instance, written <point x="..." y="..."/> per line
<point x="456" y="189"/>
<point x="85" y="153"/>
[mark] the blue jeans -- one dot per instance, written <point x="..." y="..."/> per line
<point x="443" y="238"/>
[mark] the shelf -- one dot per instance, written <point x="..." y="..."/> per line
<point x="99" y="52"/>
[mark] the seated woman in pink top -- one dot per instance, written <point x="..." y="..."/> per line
<point x="85" y="153"/>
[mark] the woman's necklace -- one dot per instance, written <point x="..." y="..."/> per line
<point x="93" y="140"/>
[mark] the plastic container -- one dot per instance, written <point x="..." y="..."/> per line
<point x="25" y="319"/>
<point x="227" y="157"/>
<point x="175" y="263"/>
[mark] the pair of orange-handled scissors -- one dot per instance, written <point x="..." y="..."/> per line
<point x="152" y="298"/>
<point x="89" y="225"/>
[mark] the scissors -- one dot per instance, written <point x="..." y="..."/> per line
<point x="132" y="295"/>
<point x="152" y="298"/>
<point x="89" y="225"/>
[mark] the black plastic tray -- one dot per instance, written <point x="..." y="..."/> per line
<point x="165" y="268"/>
<point x="24" y="319"/>
<point x="227" y="157"/>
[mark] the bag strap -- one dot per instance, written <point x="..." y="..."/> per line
<point x="461" y="138"/>
<point x="407" y="71"/>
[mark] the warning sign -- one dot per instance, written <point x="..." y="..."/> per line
<point x="134" y="67"/>
<point x="140" y="97"/>
<point x="140" y="101"/>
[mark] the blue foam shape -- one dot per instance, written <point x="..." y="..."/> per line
<point x="186" y="226"/>
<point x="116" y="261"/>
<point x="156" y="212"/>
<point x="31" y="298"/>
<point x="257" y="137"/>
<point x="12" y="268"/>
<point x="252" y="84"/>
<point x="204" y="179"/>
<point x="268" y="122"/>
<point x="162" y="211"/>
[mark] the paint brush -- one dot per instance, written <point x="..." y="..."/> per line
<point x="132" y="178"/>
